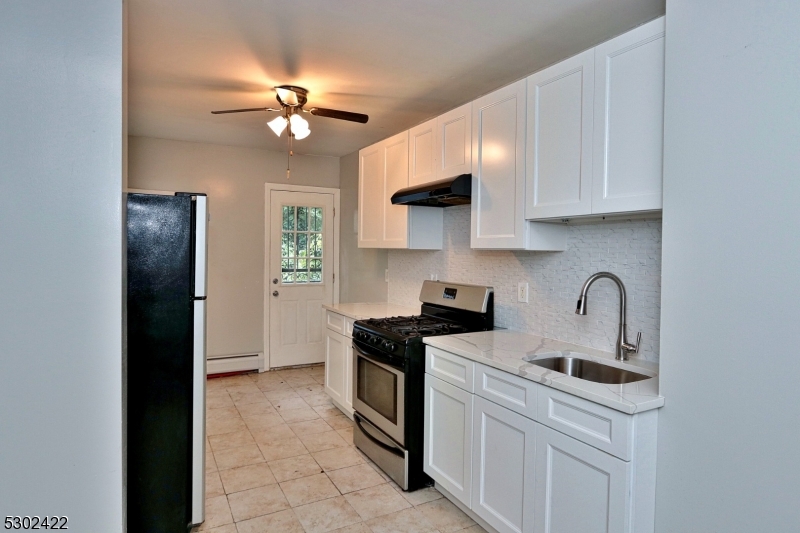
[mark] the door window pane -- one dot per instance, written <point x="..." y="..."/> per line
<point x="288" y="217"/>
<point x="301" y="240"/>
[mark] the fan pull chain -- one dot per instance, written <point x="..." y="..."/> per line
<point x="289" y="153"/>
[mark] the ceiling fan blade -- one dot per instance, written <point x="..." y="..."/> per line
<point x="341" y="115"/>
<point x="244" y="110"/>
<point x="287" y="96"/>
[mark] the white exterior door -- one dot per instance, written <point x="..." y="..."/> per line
<point x="301" y="264"/>
<point x="503" y="464"/>
<point x="559" y="144"/>
<point x="579" y="489"/>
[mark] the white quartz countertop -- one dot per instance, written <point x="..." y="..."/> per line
<point x="504" y="350"/>
<point x="362" y="311"/>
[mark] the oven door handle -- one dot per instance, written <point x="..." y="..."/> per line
<point x="375" y="356"/>
<point x="391" y="448"/>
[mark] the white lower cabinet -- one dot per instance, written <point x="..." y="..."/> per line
<point x="339" y="361"/>
<point x="336" y="366"/>
<point x="579" y="489"/>
<point x="348" y="376"/>
<point x="503" y="465"/>
<point x="448" y="437"/>
<point x="521" y="476"/>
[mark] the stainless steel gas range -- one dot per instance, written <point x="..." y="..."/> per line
<point x="389" y="368"/>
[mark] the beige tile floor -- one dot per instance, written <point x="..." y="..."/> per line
<point x="281" y="459"/>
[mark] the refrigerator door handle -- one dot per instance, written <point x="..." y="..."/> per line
<point x="198" y="464"/>
<point x="200" y="246"/>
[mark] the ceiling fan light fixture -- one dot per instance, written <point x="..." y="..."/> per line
<point x="287" y="96"/>
<point x="302" y="134"/>
<point x="298" y="123"/>
<point x="277" y="125"/>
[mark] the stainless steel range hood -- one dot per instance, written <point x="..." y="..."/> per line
<point x="443" y="193"/>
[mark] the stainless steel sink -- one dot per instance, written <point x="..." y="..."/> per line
<point x="588" y="370"/>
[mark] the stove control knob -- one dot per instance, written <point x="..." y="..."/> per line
<point x="374" y="340"/>
<point x="360" y="335"/>
<point x="389" y="346"/>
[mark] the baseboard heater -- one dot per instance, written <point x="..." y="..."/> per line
<point x="221" y="364"/>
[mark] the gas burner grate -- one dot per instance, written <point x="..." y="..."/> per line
<point x="417" y="326"/>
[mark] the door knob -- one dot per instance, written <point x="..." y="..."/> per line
<point x="274" y="293"/>
<point x="274" y="281"/>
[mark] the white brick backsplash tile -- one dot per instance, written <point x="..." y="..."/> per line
<point x="630" y="249"/>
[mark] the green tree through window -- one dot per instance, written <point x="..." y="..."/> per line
<point x="301" y="244"/>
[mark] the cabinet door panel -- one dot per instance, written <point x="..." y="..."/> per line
<point x="503" y="467"/>
<point x="395" y="220"/>
<point x="559" y="141"/>
<point x="448" y="437"/>
<point x="335" y="365"/>
<point x="370" y="196"/>
<point x="422" y="160"/>
<point x="629" y="121"/>
<point x="348" y="376"/>
<point x="498" y="165"/>
<point x="579" y="489"/>
<point x="454" y="142"/>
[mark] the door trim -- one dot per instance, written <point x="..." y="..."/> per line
<point x="268" y="188"/>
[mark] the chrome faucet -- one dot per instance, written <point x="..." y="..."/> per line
<point x="623" y="346"/>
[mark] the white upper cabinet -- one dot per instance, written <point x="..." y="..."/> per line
<point x="422" y="160"/>
<point x="395" y="218"/>
<point x="629" y="121"/>
<point x="559" y="144"/>
<point x="441" y="147"/>
<point x="596" y="129"/>
<point x="498" y="162"/>
<point x="371" y="165"/>
<point x="454" y="142"/>
<point x="383" y="169"/>
<point x="498" y="176"/>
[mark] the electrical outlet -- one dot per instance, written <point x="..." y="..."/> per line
<point x="434" y="277"/>
<point x="386" y="275"/>
<point x="522" y="292"/>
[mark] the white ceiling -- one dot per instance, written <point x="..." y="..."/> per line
<point x="399" y="61"/>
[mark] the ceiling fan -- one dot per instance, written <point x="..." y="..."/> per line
<point x="292" y="100"/>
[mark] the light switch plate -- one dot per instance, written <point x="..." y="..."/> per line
<point x="522" y="292"/>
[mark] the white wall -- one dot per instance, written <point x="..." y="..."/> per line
<point x="630" y="249"/>
<point x="362" y="269"/>
<point x="730" y="429"/>
<point x="61" y="262"/>
<point x="233" y="177"/>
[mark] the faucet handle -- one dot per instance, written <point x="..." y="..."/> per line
<point x="633" y="348"/>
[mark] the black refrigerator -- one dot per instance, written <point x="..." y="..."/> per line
<point x="166" y="363"/>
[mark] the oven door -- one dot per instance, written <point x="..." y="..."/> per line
<point x="379" y="394"/>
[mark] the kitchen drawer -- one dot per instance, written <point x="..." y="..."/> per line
<point x="343" y="325"/>
<point x="508" y="390"/>
<point x="451" y="368"/>
<point x="335" y="322"/>
<point x="599" y="426"/>
<point x="348" y="327"/>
